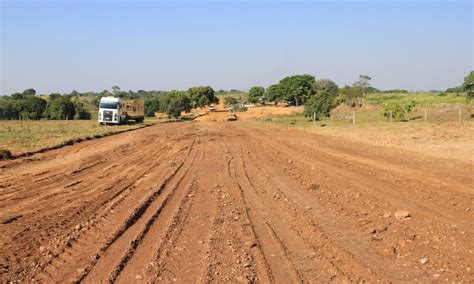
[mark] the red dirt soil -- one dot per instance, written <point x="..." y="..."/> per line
<point x="234" y="201"/>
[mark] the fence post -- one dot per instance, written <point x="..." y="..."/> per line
<point x="391" y="118"/>
<point x="460" y="113"/>
<point x="426" y="114"/>
<point x="314" y="118"/>
<point x="353" y="119"/>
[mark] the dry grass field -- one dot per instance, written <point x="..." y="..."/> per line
<point x="30" y="135"/>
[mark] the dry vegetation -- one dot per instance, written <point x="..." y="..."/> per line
<point x="30" y="135"/>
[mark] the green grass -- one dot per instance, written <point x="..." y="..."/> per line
<point x="420" y="98"/>
<point x="30" y="135"/>
<point x="372" y="117"/>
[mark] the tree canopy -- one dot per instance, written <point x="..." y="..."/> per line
<point x="321" y="104"/>
<point x="255" y="93"/>
<point x="201" y="96"/>
<point x="175" y="102"/>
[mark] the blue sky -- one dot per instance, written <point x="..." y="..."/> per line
<point x="60" y="46"/>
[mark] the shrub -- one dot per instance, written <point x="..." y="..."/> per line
<point x="240" y="108"/>
<point x="152" y="105"/>
<point x="32" y="107"/>
<point x="255" y="93"/>
<point x="81" y="112"/>
<point x="319" y="105"/>
<point x="231" y="101"/>
<point x="397" y="111"/>
<point x="175" y="102"/>
<point x="60" y="108"/>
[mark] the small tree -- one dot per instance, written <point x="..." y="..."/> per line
<point x="201" y="96"/>
<point x="327" y="86"/>
<point x="116" y="90"/>
<point x="255" y="93"/>
<point x="175" y="102"/>
<point x="81" y="112"/>
<point x="152" y="105"/>
<point x="60" y="108"/>
<point x="362" y="84"/>
<point x="398" y="112"/>
<point x="29" y="92"/>
<point x="320" y="105"/>
<point x="32" y="107"/>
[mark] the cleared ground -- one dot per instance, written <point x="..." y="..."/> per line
<point x="219" y="201"/>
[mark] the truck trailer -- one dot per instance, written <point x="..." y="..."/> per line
<point x="113" y="110"/>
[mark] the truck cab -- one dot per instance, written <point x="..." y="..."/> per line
<point x="110" y="111"/>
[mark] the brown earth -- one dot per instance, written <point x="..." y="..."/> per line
<point x="235" y="201"/>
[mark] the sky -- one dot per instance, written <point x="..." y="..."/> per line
<point x="60" y="46"/>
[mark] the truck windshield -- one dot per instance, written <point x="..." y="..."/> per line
<point x="108" y="105"/>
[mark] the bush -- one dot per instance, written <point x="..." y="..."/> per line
<point x="175" y="102"/>
<point x="152" y="105"/>
<point x="230" y="101"/>
<point x="397" y="111"/>
<point x="60" y="108"/>
<point x="240" y="108"/>
<point x="255" y="93"/>
<point x="9" y="109"/>
<point x="81" y="112"/>
<point x="319" y="105"/>
<point x="32" y="107"/>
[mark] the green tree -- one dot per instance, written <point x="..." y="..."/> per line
<point x="29" y="92"/>
<point x="255" y="93"/>
<point x="32" y="107"/>
<point x="60" y="108"/>
<point x="297" y="88"/>
<point x="152" y="105"/>
<point x="327" y="86"/>
<point x="81" y="112"/>
<point x="398" y="112"/>
<point x="17" y="96"/>
<point x="116" y="91"/>
<point x="9" y="109"/>
<point x="275" y="93"/>
<point x="196" y="95"/>
<point x="321" y="104"/>
<point x="54" y="96"/>
<point x="468" y="86"/>
<point x="175" y="102"/>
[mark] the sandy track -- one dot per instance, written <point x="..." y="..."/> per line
<point x="199" y="202"/>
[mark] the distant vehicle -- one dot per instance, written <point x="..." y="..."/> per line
<point x="231" y="117"/>
<point x="291" y="103"/>
<point x="113" y="110"/>
<point x="212" y="107"/>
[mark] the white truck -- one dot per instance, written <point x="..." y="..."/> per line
<point x="113" y="110"/>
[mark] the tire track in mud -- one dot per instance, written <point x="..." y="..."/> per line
<point x="182" y="254"/>
<point x="251" y="262"/>
<point x="139" y="210"/>
<point x="299" y="225"/>
<point x="235" y="205"/>
<point x="173" y="188"/>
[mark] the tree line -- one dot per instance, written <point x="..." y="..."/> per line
<point x="319" y="97"/>
<point x="28" y="106"/>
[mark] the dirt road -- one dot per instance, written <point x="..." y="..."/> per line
<point x="217" y="201"/>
